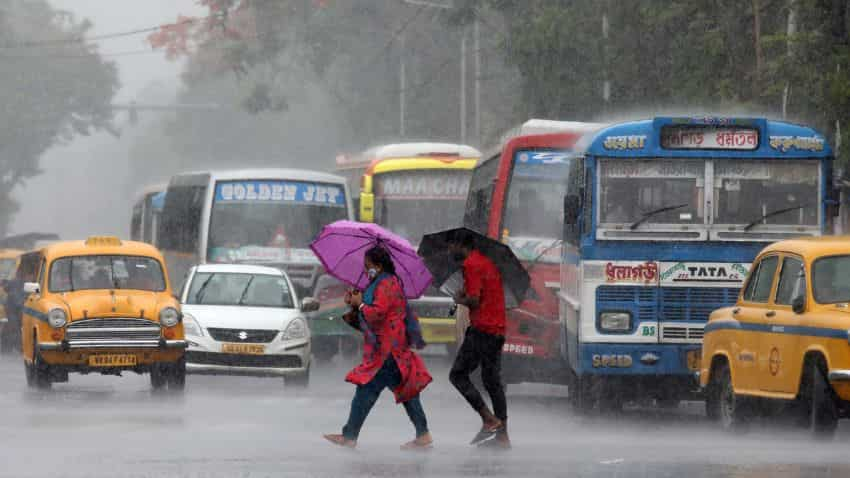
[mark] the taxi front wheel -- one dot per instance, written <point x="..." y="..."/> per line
<point x="733" y="411"/>
<point x="819" y="401"/>
<point x="37" y="373"/>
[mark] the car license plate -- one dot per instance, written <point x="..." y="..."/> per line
<point x="248" y="349"/>
<point x="112" y="360"/>
<point x="693" y="357"/>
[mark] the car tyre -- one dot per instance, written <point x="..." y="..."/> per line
<point x="40" y="372"/>
<point x="159" y="378"/>
<point x="176" y="375"/>
<point x="734" y="410"/>
<point x="298" y="381"/>
<point x="822" y="407"/>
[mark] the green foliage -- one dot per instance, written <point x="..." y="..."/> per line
<point x="49" y="94"/>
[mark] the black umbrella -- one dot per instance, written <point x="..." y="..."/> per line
<point x="434" y="250"/>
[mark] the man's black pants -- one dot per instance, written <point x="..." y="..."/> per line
<point x="485" y="350"/>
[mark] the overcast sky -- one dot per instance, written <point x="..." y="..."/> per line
<point x="77" y="194"/>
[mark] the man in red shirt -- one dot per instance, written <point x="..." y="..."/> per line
<point x="483" y="341"/>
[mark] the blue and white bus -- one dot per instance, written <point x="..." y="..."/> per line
<point x="662" y="219"/>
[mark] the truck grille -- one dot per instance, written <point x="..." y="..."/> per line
<point x="689" y="307"/>
<point x="105" y="332"/>
<point x="680" y="333"/>
<point x="243" y="335"/>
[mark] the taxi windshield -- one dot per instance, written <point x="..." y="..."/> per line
<point x="831" y="280"/>
<point x="70" y="274"/>
<point x="248" y="290"/>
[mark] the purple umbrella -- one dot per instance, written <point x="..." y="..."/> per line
<point x="342" y="245"/>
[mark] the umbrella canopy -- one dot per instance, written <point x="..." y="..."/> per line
<point x="434" y="250"/>
<point x="342" y="245"/>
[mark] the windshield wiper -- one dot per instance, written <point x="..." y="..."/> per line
<point x="654" y="212"/>
<point x="771" y="214"/>
<point x="199" y="296"/>
<point x="245" y="292"/>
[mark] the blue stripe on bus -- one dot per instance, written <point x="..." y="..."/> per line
<point x="777" y="329"/>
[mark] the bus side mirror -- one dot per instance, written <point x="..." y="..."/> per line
<point x="367" y="207"/>
<point x="571" y="210"/>
<point x="798" y="305"/>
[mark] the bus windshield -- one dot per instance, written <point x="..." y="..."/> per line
<point x="752" y="192"/>
<point x="630" y="189"/>
<point x="414" y="203"/>
<point x="271" y="221"/>
<point x="534" y="205"/>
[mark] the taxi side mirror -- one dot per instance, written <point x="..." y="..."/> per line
<point x="798" y="305"/>
<point x="309" y="304"/>
<point x="32" y="288"/>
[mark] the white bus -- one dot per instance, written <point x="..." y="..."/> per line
<point x="146" y="212"/>
<point x="252" y="216"/>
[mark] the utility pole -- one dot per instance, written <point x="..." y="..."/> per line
<point x="476" y="31"/>
<point x="463" y="87"/>
<point x="402" y="78"/>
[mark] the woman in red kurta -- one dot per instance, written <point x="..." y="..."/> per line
<point x="388" y="361"/>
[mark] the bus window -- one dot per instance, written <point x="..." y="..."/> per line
<point x="480" y="195"/>
<point x="136" y="222"/>
<point x="181" y="218"/>
<point x="534" y="208"/>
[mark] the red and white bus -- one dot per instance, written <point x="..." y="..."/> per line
<point x="516" y="196"/>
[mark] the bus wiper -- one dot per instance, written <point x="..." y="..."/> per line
<point x="771" y="214"/>
<point x="200" y="294"/>
<point x="654" y="212"/>
<point x="533" y="262"/>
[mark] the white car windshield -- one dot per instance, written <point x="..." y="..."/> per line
<point x="236" y="289"/>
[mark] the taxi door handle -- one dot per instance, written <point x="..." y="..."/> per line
<point x="770" y="313"/>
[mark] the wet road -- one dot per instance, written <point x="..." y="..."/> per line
<point x="248" y="427"/>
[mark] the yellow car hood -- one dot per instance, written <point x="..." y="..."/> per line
<point x="118" y="303"/>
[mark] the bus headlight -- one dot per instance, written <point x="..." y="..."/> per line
<point x="191" y="326"/>
<point x="169" y="317"/>
<point x="615" y="321"/>
<point x="297" y="329"/>
<point x="57" y="318"/>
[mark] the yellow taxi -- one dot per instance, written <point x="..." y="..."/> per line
<point x="9" y="336"/>
<point x="101" y="306"/>
<point x="784" y="344"/>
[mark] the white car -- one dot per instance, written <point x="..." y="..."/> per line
<point x="246" y="320"/>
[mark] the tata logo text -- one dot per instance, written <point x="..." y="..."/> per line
<point x="611" y="361"/>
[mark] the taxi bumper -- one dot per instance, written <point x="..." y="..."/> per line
<point x="112" y="344"/>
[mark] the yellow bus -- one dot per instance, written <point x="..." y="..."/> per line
<point x="413" y="189"/>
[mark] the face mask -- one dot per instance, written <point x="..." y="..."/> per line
<point x="372" y="272"/>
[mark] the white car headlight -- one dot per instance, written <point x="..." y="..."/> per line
<point x="57" y="318"/>
<point x="297" y="329"/>
<point x="615" y="322"/>
<point x="169" y="317"/>
<point x="191" y="326"/>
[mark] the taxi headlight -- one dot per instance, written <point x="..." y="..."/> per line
<point x="191" y="326"/>
<point x="615" y="321"/>
<point x="57" y="318"/>
<point x="297" y="329"/>
<point x="169" y="317"/>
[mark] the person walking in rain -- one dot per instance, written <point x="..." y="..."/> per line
<point x="388" y="361"/>
<point x="482" y="345"/>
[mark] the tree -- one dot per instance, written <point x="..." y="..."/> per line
<point x="53" y="86"/>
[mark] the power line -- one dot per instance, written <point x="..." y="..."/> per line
<point x="84" y="40"/>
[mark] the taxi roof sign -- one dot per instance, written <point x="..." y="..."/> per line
<point x="103" y="241"/>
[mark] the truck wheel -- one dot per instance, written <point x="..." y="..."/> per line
<point x="299" y="381"/>
<point x="823" y="411"/>
<point x="176" y="375"/>
<point x="712" y="396"/>
<point x="581" y="394"/>
<point x="158" y="377"/>
<point x="734" y="409"/>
